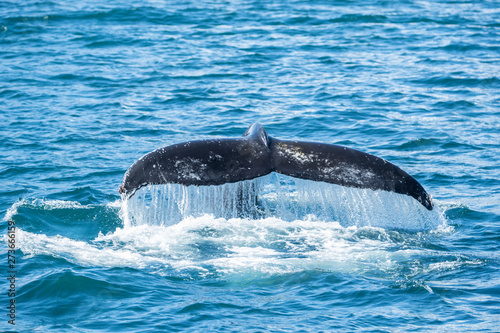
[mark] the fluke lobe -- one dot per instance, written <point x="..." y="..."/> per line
<point x="255" y="154"/>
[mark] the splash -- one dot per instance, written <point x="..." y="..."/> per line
<point x="238" y="248"/>
<point x="268" y="226"/>
<point x="279" y="196"/>
<point x="244" y="248"/>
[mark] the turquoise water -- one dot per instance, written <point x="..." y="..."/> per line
<point x="88" y="87"/>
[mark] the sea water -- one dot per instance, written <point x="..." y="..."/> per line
<point x="88" y="87"/>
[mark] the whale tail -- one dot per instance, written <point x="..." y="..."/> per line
<point x="255" y="154"/>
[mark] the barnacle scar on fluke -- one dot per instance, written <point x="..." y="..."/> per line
<point x="255" y="154"/>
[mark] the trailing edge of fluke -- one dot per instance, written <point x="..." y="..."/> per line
<point x="255" y="154"/>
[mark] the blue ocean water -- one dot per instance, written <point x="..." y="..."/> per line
<point x="87" y="87"/>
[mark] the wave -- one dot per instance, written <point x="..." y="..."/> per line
<point x="453" y="81"/>
<point x="64" y="218"/>
<point x="42" y="204"/>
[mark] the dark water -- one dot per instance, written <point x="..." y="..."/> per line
<point x="88" y="87"/>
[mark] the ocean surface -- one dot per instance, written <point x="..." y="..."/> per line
<point x="88" y="87"/>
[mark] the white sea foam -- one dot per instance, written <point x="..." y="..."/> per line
<point x="241" y="246"/>
<point x="13" y="210"/>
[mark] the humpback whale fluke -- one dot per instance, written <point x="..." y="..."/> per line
<point x="255" y="154"/>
